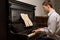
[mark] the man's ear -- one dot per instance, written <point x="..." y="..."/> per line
<point x="48" y="6"/>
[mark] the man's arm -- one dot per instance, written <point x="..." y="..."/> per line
<point x="51" y="26"/>
<point x="52" y="23"/>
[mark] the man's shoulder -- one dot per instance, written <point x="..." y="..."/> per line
<point x="56" y="14"/>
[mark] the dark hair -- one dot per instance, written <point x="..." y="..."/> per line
<point x="47" y="3"/>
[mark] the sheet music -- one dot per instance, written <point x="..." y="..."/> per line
<point x="26" y="19"/>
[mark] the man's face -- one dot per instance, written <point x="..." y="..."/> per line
<point x="46" y="8"/>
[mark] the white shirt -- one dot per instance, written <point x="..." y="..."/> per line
<point x="53" y="22"/>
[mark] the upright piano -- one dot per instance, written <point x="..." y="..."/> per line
<point x="17" y="29"/>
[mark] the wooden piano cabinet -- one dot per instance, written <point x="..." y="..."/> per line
<point x="16" y="24"/>
<point x="41" y="21"/>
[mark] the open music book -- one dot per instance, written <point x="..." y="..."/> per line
<point x="26" y="19"/>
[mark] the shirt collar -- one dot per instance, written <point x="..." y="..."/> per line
<point x="51" y="12"/>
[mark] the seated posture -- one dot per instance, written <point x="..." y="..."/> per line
<point x="53" y="22"/>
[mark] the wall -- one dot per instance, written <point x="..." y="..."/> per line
<point x="57" y="5"/>
<point x="3" y="19"/>
<point x="38" y="3"/>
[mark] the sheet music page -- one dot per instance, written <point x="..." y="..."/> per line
<point x="26" y="19"/>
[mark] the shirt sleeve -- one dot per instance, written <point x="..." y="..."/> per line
<point x="51" y="25"/>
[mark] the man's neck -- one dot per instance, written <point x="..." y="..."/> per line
<point x="50" y="9"/>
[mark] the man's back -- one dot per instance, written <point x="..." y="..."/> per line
<point x="53" y="21"/>
<point x="54" y="25"/>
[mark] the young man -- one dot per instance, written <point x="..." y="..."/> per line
<point x="53" y="21"/>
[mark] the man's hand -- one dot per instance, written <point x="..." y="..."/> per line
<point x="38" y="30"/>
